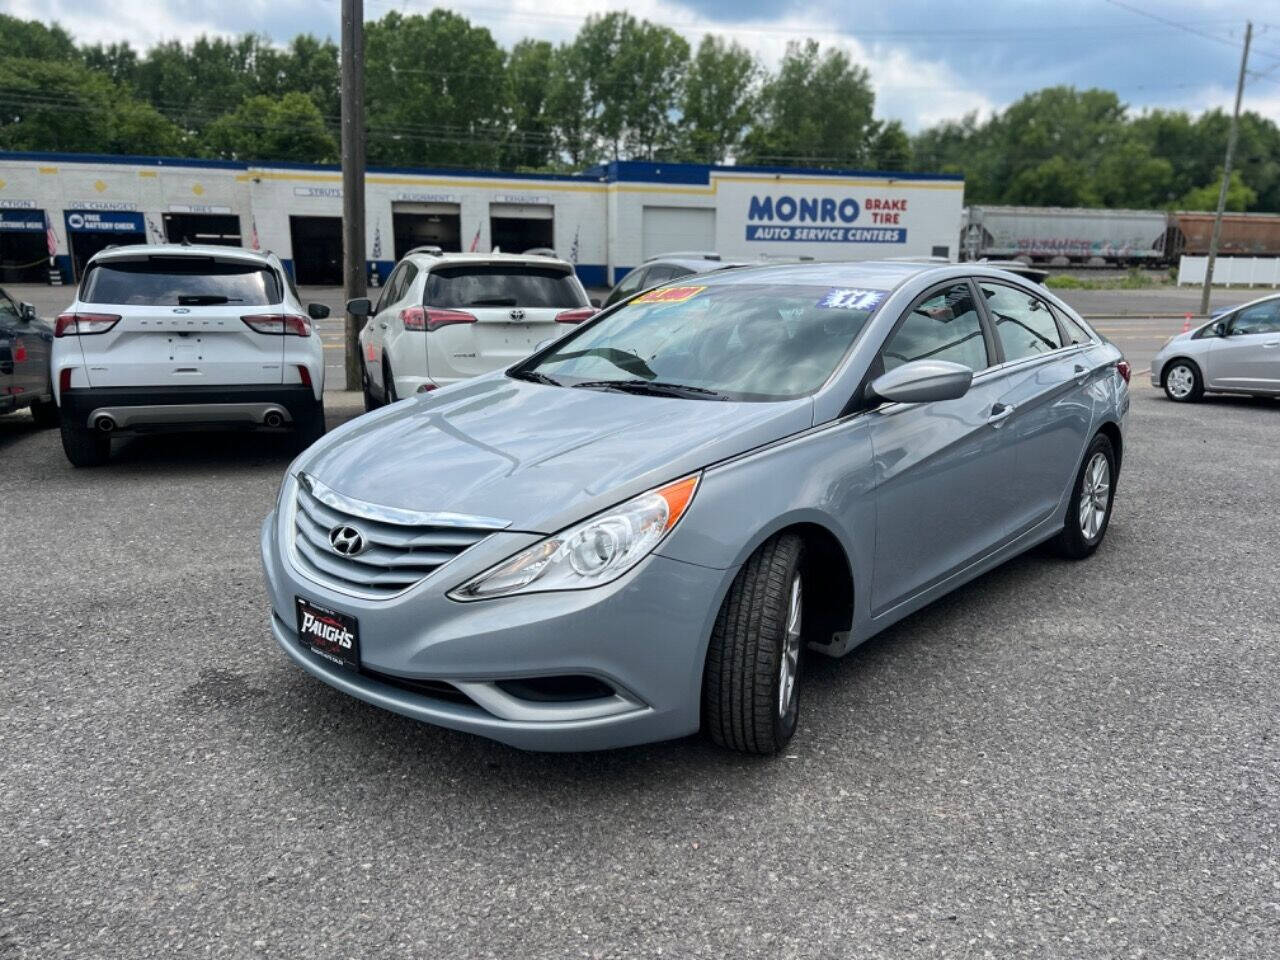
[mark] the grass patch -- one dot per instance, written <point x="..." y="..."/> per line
<point x="1131" y="280"/>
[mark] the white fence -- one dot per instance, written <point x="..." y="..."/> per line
<point x="1231" y="271"/>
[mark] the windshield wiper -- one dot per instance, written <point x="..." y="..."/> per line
<point x="203" y="299"/>
<point x="493" y="302"/>
<point x="533" y="376"/>
<point x="656" y="388"/>
<point x="625" y="360"/>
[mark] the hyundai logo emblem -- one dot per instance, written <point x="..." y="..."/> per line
<point x="517" y="314"/>
<point x="347" y="541"/>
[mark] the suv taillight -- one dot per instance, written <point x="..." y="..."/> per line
<point x="432" y="318"/>
<point x="84" y="324"/>
<point x="1123" y="368"/>
<point x="278" y="324"/>
<point x="577" y="315"/>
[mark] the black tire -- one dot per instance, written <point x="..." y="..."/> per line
<point x="84" y="447"/>
<point x="1074" y="541"/>
<point x="1197" y="382"/>
<point x="309" y="427"/>
<point x="388" y="382"/>
<point x="366" y="387"/>
<point x="743" y="676"/>
<point x="45" y="413"/>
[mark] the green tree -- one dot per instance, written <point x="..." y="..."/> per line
<point x="65" y="106"/>
<point x="719" y="101"/>
<point x="649" y="78"/>
<point x="1240" y="197"/>
<point x="436" y="90"/>
<point x="890" y="147"/>
<point x="566" y="113"/>
<point x="817" y="110"/>
<point x="530" y="143"/>
<point x="32" y="40"/>
<point x="116" y="61"/>
<point x="266" y="128"/>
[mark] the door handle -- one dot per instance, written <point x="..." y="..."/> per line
<point x="383" y="325"/>
<point x="1081" y="374"/>
<point x="1272" y="343"/>
<point x="1000" y="413"/>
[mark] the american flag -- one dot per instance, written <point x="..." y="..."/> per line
<point x="50" y="238"/>
<point x="475" y="241"/>
<point x="377" y="242"/>
<point x="573" y="251"/>
<point x="253" y="223"/>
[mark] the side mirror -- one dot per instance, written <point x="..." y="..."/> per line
<point x="923" y="381"/>
<point x="595" y="302"/>
<point x="318" y="311"/>
<point x="1219" y="329"/>
<point x="359" y="307"/>
<point x="26" y="311"/>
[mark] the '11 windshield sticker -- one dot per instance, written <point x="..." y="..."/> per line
<point x="852" y="298"/>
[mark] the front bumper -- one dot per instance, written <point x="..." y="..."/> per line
<point x="146" y="408"/>
<point x="644" y="636"/>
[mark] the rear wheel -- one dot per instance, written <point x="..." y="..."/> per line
<point x="309" y="427"/>
<point x="1183" y="383"/>
<point x="750" y="688"/>
<point x="1089" y="509"/>
<point x="388" y="383"/>
<point x="45" y="413"/>
<point x="84" y="447"/>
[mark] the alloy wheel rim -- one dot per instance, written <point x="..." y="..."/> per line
<point x="1181" y="381"/>
<point x="789" y="666"/>
<point x="1095" y="496"/>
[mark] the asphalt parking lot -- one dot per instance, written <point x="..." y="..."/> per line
<point x="1059" y="760"/>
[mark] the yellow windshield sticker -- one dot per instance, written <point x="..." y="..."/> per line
<point x="669" y="295"/>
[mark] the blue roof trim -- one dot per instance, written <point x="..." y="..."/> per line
<point x="617" y="171"/>
<point x="633" y="171"/>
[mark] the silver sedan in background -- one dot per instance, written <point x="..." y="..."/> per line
<point x="1239" y="352"/>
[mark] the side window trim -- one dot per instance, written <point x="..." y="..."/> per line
<point x="384" y="299"/>
<point x="1064" y="341"/>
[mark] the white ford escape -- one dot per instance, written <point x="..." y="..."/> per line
<point x="444" y="317"/>
<point x="167" y="336"/>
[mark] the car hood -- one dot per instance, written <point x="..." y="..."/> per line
<point x="537" y="456"/>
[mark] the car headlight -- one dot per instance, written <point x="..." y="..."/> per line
<point x="591" y="553"/>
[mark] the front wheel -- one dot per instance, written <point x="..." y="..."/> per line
<point x="751" y="685"/>
<point x="1089" y="509"/>
<point x="45" y="413"/>
<point x="1182" y="382"/>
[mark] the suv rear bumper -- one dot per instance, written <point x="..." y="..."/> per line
<point x="159" y="407"/>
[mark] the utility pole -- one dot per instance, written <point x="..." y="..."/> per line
<point x="1226" y="175"/>
<point x="353" y="141"/>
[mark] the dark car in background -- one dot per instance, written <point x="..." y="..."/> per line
<point x="24" y="362"/>
<point x="664" y="269"/>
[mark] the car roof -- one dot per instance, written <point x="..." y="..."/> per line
<point x="135" y="250"/>
<point x="695" y="264"/>
<point x="430" y="260"/>
<point x="872" y="274"/>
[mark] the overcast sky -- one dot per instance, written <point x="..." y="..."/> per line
<point x="928" y="60"/>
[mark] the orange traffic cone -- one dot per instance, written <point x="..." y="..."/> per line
<point x="1186" y="323"/>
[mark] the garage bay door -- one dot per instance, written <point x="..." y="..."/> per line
<point x="668" y="229"/>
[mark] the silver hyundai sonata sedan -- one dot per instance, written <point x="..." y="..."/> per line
<point x="637" y="531"/>
<point x="1237" y="352"/>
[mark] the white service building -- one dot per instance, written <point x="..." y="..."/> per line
<point x="605" y="220"/>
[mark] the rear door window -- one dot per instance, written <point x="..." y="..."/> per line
<point x="1024" y="323"/>
<point x="180" y="282"/>
<point x="944" y="326"/>
<point x="499" y="285"/>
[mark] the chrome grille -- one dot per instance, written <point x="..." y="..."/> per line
<point x="399" y="547"/>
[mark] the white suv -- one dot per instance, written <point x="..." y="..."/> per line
<point x="174" y="336"/>
<point x="446" y="317"/>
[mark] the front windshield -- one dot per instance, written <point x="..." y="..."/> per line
<point x="736" y="341"/>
